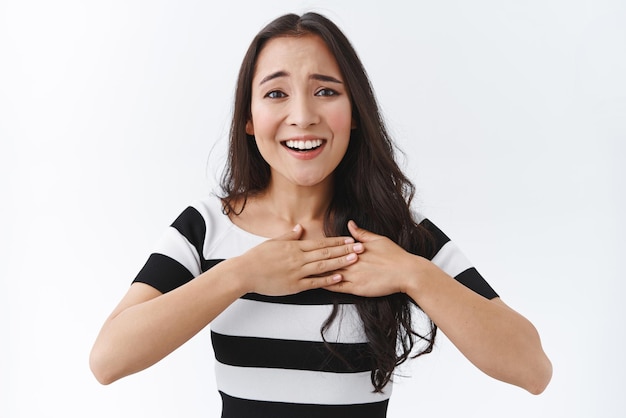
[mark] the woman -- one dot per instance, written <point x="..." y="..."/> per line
<point x="313" y="322"/>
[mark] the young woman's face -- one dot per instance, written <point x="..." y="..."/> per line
<point x="301" y="110"/>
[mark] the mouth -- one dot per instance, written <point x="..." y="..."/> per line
<point x="303" y="145"/>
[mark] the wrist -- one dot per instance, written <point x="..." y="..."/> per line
<point x="417" y="274"/>
<point x="234" y="275"/>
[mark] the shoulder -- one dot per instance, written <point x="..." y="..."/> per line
<point x="446" y="255"/>
<point x="199" y="227"/>
<point x="437" y="236"/>
<point x="210" y="207"/>
<point x="212" y="231"/>
<point x="198" y="218"/>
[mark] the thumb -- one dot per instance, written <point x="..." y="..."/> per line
<point x="292" y="235"/>
<point x="360" y="234"/>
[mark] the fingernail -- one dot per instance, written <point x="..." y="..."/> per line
<point x="297" y="228"/>
<point x="336" y="278"/>
<point x="351" y="257"/>
<point x="357" y="247"/>
<point x="348" y="240"/>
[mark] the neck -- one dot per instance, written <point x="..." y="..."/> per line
<point x="297" y="204"/>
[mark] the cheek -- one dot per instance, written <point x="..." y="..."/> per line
<point x="340" y="120"/>
<point x="263" y="119"/>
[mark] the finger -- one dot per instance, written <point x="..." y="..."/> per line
<point x="292" y="235"/>
<point x="318" y="282"/>
<point x="361" y="234"/>
<point x="317" y="244"/>
<point x="328" y="253"/>
<point x="321" y="267"/>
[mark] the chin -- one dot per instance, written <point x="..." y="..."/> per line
<point x="307" y="183"/>
<point x="310" y="181"/>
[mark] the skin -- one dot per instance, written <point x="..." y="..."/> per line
<point x="495" y="338"/>
<point x="298" y="97"/>
<point x="298" y="92"/>
<point x="146" y="325"/>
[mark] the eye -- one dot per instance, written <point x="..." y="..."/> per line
<point x="326" y="92"/>
<point x="275" y="94"/>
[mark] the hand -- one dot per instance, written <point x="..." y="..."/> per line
<point x="286" y="265"/>
<point x="384" y="267"/>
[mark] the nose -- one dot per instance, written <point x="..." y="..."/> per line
<point x="302" y="112"/>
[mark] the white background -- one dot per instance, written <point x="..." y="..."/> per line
<point x="113" y="117"/>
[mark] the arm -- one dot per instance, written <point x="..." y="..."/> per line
<point x="494" y="337"/>
<point x="146" y="325"/>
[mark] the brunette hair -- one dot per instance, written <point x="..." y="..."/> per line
<point x="369" y="187"/>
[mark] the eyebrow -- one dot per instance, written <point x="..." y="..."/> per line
<point x="318" y="77"/>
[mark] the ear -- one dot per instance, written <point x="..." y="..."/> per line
<point x="250" y="127"/>
<point x="353" y="125"/>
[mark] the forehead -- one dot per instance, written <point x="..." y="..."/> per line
<point x="307" y="53"/>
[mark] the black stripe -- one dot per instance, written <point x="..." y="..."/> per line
<point x="472" y="279"/>
<point x="243" y="408"/>
<point x="192" y="226"/>
<point x="308" y="297"/>
<point x="207" y="264"/>
<point x="291" y="354"/>
<point x="439" y="239"/>
<point x="163" y="273"/>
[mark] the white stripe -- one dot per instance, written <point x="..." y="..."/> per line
<point x="249" y="318"/>
<point x="175" y="245"/>
<point x="223" y="239"/>
<point x="298" y="386"/>
<point x="451" y="260"/>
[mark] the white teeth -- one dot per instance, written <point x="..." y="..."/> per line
<point x="303" y="145"/>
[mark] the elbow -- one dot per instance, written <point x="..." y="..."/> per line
<point x="101" y="367"/>
<point x="542" y="384"/>
<point x="536" y="371"/>
<point x="103" y="379"/>
<point x="540" y="378"/>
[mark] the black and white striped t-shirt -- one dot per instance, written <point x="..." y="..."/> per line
<point x="271" y="360"/>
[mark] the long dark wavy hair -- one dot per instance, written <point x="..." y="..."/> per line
<point x="378" y="201"/>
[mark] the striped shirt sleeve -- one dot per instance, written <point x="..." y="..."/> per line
<point x="177" y="257"/>
<point x="449" y="258"/>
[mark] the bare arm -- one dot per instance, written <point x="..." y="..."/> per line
<point x="495" y="338"/>
<point x="146" y="325"/>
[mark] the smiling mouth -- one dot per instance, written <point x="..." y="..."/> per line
<point x="303" y="146"/>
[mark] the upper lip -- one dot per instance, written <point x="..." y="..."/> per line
<point x="302" y="138"/>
